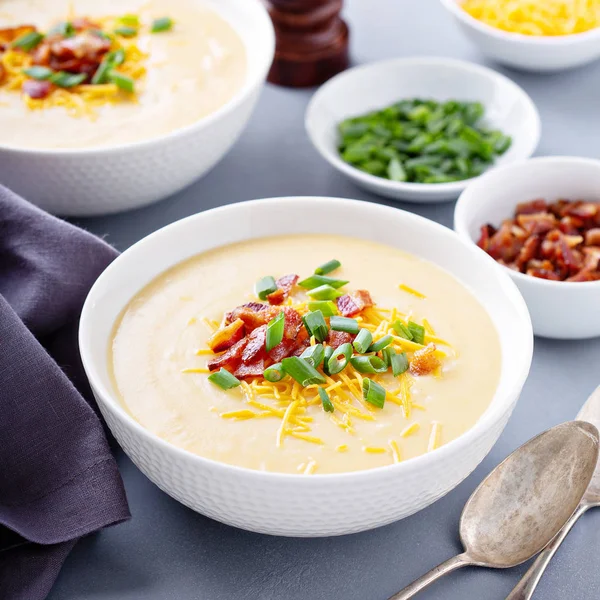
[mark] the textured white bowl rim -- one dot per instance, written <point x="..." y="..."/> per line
<point x="462" y="208"/>
<point x="230" y="106"/>
<point x="449" y="189"/>
<point x="520" y="38"/>
<point x="492" y="415"/>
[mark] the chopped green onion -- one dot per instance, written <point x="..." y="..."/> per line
<point x="275" y="331"/>
<point x="64" y="28"/>
<point x="162" y="24"/>
<point x="417" y="332"/>
<point x="402" y="330"/>
<point x="124" y="82"/>
<point x="327" y="307"/>
<point x="265" y="286"/>
<point x="316" y="280"/>
<point x="126" y="31"/>
<point x="373" y="393"/>
<point x="39" y="73"/>
<point x="315" y="325"/>
<point x="339" y="358"/>
<point x="399" y="363"/>
<point x="327" y="405"/>
<point x="344" y="324"/>
<point x="328" y="267"/>
<point x="387" y="354"/>
<point x="67" y="80"/>
<point x="324" y="292"/>
<point x="362" y="341"/>
<point x="368" y="364"/>
<point x="110" y="60"/>
<point x="274" y="373"/>
<point x="386" y="340"/>
<point x="116" y="57"/>
<point x="224" y="379"/>
<point x="326" y="357"/>
<point x="302" y="371"/>
<point x="130" y="20"/>
<point x="101" y="34"/>
<point x="314" y="355"/>
<point x="28" y="41"/>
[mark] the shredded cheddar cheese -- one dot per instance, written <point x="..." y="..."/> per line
<point x="409" y="290"/>
<point x="395" y="450"/>
<point x="537" y="17"/>
<point x="434" y="436"/>
<point x="410" y="430"/>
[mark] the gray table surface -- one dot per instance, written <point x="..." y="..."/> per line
<point x="168" y="552"/>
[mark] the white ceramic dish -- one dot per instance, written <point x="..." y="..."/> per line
<point x="380" y="84"/>
<point x="527" y="52"/>
<point x="297" y="505"/>
<point x="558" y="309"/>
<point x="85" y="182"/>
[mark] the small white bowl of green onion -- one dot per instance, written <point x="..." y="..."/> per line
<point x="420" y="129"/>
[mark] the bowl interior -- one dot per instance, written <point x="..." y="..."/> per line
<point x="174" y="243"/>
<point x="378" y="85"/>
<point x="494" y="196"/>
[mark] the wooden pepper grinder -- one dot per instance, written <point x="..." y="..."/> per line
<point x="312" y="41"/>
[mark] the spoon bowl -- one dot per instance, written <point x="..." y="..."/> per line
<point x="523" y="503"/>
<point x="526" y="500"/>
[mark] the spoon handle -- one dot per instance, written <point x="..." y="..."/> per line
<point x="462" y="560"/>
<point x="525" y="588"/>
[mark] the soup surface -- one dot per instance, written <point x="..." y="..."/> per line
<point x="159" y="357"/>
<point x="190" y="71"/>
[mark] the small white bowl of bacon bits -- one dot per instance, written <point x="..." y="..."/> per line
<point x="540" y="220"/>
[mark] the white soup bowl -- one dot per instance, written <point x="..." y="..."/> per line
<point x="108" y="179"/>
<point x="320" y="504"/>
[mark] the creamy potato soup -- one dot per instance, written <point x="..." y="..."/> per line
<point x="89" y="73"/>
<point x="421" y="370"/>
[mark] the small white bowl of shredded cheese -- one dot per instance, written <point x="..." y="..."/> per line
<point x="538" y="35"/>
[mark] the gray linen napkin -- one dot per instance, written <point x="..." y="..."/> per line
<point x="58" y="478"/>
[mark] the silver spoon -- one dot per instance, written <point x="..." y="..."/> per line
<point x="590" y="412"/>
<point x="523" y="503"/>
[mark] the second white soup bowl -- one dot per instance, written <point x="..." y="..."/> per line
<point x="113" y="178"/>
<point x="298" y="505"/>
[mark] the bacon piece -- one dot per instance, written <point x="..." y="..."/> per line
<point x="528" y="251"/>
<point x="2" y="72"/>
<point x="36" y="89"/>
<point x="352" y="304"/>
<point x="543" y="274"/>
<point x="592" y="237"/>
<point x="254" y="314"/>
<point x="585" y="275"/>
<point x="537" y="223"/>
<point x="301" y="347"/>
<point x="504" y="244"/>
<point x="284" y="287"/>
<point x="583" y="210"/>
<point x="283" y="350"/>
<point x="424" y="361"/>
<point x="256" y="344"/>
<point x="532" y="207"/>
<point x="230" y="359"/>
<point x="487" y="231"/>
<point x="336" y="338"/>
<point x="10" y="34"/>
<point x="570" y="225"/>
<point x="83" y="23"/>
<point x="592" y="257"/>
<point x="250" y="370"/>
<point x="292" y="323"/>
<point x="227" y="336"/>
<point x="566" y="257"/>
